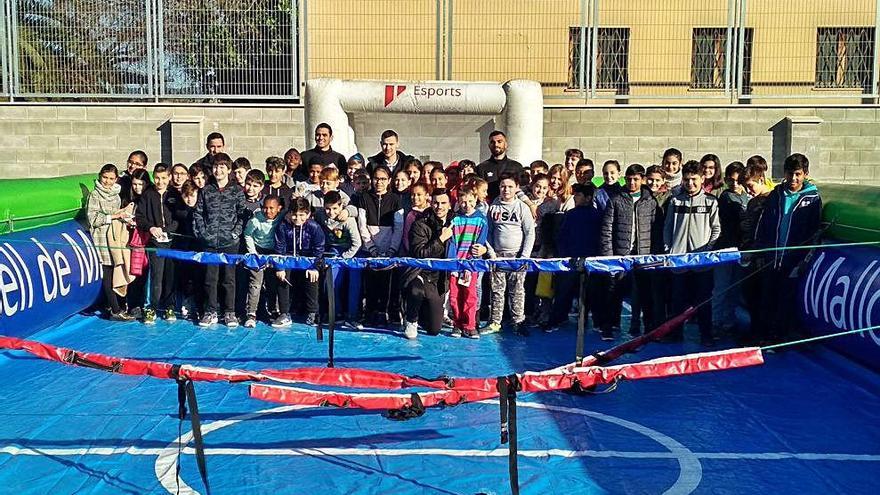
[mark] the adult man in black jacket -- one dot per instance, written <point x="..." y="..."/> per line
<point x="322" y="153"/>
<point x="390" y="156"/>
<point x="215" y="144"/>
<point x="499" y="164"/>
<point x="631" y="226"/>
<point x="424" y="289"/>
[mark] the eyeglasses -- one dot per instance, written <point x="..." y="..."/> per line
<point x="381" y="179"/>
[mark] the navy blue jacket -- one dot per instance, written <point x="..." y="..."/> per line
<point x="579" y="233"/>
<point x="806" y="215"/>
<point x="305" y="240"/>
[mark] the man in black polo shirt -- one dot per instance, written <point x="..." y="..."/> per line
<point x="390" y="156"/>
<point x="499" y="164"/>
<point x="322" y="153"/>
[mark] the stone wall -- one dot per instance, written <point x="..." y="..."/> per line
<point x="843" y="143"/>
<point x="41" y="140"/>
<point x="51" y="140"/>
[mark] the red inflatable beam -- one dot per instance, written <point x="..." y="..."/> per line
<point x="636" y="343"/>
<point x="353" y="378"/>
<point x="531" y="382"/>
<point x="306" y="397"/>
<point x="126" y="366"/>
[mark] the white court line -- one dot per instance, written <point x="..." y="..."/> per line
<point x="539" y="453"/>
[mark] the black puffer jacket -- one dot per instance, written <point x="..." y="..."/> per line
<point x="620" y="223"/>
<point x="424" y="242"/>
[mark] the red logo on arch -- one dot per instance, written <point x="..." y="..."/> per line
<point x="391" y="92"/>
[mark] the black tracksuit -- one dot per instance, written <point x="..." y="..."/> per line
<point x="158" y="210"/>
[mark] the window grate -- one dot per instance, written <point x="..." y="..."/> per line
<point x="612" y="59"/>
<point x="844" y="58"/>
<point x="708" y="58"/>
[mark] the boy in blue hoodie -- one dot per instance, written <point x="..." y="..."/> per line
<point x="791" y="217"/>
<point x="298" y="235"/>
<point x="259" y="238"/>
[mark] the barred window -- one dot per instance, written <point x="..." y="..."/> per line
<point x="612" y="59"/>
<point x="708" y="58"/>
<point x="844" y="58"/>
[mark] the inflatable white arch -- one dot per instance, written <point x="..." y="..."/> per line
<point x="519" y="105"/>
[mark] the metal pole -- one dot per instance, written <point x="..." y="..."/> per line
<point x="582" y="50"/>
<point x="731" y="18"/>
<point x="15" y="80"/>
<point x="331" y="311"/>
<point x="160" y="46"/>
<point x="594" y="49"/>
<point x="4" y="55"/>
<point x="450" y="12"/>
<point x="438" y="41"/>
<point x="875" y="79"/>
<point x="294" y="51"/>
<point x="5" y="48"/>
<point x="150" y="31"/>
<point x="305" y="40"/>
<point x="741" y="48"/>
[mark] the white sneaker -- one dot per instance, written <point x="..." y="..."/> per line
<point x="250" y="322"/>
<point x="353" y="324"/>
<point x="411" y="330"/>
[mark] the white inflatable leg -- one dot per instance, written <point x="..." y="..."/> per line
<point x="523" y="120"/>
<point x="322" y="104"/>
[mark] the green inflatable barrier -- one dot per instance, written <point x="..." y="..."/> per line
<point x="853" y="211"/>
<point x="33" y="203"/>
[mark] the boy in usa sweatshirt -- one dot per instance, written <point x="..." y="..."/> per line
<point x="511" y="234"/>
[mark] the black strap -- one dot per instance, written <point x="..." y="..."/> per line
<point x="72" y="357"/>
<point x="446" y="379"/>
<point x="319" y="265"/>
<point x="501" y="386"/>
<point x="331" y="312"/>
<point x="414" y="410"/>
<point x="186" y="394"/>
<point x="507" y="387"/>
<point x="512" y="463"/>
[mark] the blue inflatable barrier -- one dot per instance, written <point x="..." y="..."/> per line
<point x="46" y="275"/>
<point x="601" y="264"/>
<point x="841" y="291"/>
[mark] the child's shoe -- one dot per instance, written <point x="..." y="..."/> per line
<point x="282" y="321"/>
<point x="208" y="320"/>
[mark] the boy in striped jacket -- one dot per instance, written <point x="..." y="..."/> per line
<point x="469" y="234"/>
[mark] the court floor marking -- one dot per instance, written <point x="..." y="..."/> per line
<point x="15" y="450"/>
<point x="689" y="462"/>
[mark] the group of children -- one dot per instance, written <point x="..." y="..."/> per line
<point x="319" y="204"/>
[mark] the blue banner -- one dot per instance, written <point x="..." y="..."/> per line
<point x="46" y="275"/>
<point x="602" y="264"/>
<point x="841" y="291"/>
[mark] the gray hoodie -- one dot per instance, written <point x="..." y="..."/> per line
<point x="692" y="223"/>
<point x="511" y="228"/>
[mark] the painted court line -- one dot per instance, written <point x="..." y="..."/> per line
<point x="332" y="452"/>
